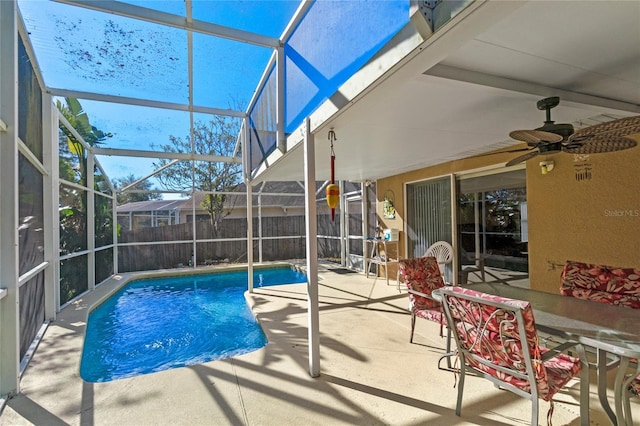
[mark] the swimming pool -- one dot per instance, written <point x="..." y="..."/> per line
<point x="157" y="324"/>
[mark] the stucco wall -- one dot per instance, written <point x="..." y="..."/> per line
<point x="594" y="219"/>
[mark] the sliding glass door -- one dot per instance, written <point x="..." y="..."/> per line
<point x="489" y="215"/>
<point x="492" y="219"/>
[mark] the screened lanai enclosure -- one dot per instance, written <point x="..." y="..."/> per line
<point x="139" y="135"/>
<point x="106" y="106"/>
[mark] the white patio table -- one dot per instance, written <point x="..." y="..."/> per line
<point x="606" y="328"/>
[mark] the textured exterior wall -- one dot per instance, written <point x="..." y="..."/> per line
<point x="586" y="210"/>
<point x="594" y="220"/>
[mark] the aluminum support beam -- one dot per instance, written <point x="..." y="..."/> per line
<point x="250" y="235"/>
<point x="10" y="304"/>
<point x="163" y="154"/>
<point x="194" y="250"/>
<point x="51" y="187"/>
<point x="298" y="16"/>
<point x="311" y="222"/>
<point x="65" y="93"/>
<point x="194" y="229"/>
<point x="114" y="210"/>
<point x="246" y="172"/>
<point x="155" y="172"/>
<point x="263" y="80"/>
<point x="364" y="190"/>
<point x="280" y="101"/>
<point x="344" y="226"/>
<point x="260" y="256"/>
<point x="454" y="230"/>
<point x="91" y="224"/>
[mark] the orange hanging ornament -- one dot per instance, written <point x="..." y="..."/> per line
<point x="333" y="190"/>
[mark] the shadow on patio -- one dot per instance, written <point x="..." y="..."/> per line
<point x="370" y="373"/>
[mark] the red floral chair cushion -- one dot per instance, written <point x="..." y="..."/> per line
<point x="601" y="283"/>
<point x="604" y="284"/>
<point x="422" y="275"/>
<point x="490" y="335"/>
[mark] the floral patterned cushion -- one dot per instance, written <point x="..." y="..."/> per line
<point x="433" y="314"/>
<point x="492" y="333"/>
<point x="422" y="274"/>
<point x="604" y="284"/>
<point x="601" y="283"/>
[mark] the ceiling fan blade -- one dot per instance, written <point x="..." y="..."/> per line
<point x="534" y="136"/>
<point x="522" y="158"/>
<point x="596" y="145"/>
<point x="611" y="129"/>
<point x="484" y="154"/>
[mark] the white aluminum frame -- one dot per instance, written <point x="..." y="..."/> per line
<point x="311" y="221"/>
<point x="10" y="303"/>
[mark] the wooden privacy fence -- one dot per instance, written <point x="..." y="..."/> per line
<point x="283" y="238"/>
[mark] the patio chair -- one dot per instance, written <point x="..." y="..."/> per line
<point x="605" y="284"/>
<point x="422" y="276"/>
<point x="497" y="339"/>
<point x="443" y="252"/>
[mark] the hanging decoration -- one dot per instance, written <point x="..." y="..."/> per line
<point x="389" y="211"/>
<point x="333" y="190"/>
<point x="582" y="166"/>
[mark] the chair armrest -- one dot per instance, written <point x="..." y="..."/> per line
<point x="417" y="293"/>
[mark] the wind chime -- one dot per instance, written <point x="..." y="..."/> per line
<point x="333" y="190"/>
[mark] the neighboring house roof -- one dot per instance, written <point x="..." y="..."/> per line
<point x="273" y="194"/>
<point x="278" y="200"/>
<point x="146" y="206"/>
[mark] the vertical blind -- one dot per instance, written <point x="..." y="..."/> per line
<point x="428" y="214"/>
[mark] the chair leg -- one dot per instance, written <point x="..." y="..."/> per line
<point x="448" y="340"/>
<point x="627" y="407"/>
<point x="460" y="389"/>
<point x="448" y="354"/>
<point x="584" y="386"/>
<point x="413" y="326"/>
<point x="601" y="366"/>
<point x="534" y="411"/>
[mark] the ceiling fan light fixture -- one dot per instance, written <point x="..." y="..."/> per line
<point x="546" y="166"/>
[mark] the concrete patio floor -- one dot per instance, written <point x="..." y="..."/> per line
<point x="370" y="373"/>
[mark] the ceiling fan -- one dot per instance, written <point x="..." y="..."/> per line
<point x="552" y="138"/>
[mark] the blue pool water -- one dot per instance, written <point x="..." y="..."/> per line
<point x="161" y="323"/>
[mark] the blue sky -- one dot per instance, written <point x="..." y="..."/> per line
<point x="85" y="50"/>
<point x="76" y="50"/>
